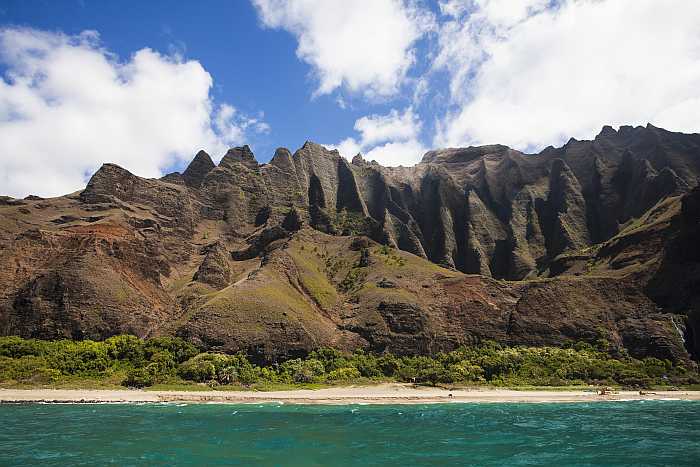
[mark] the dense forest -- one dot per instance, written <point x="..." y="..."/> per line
<point x="170" y="362"/>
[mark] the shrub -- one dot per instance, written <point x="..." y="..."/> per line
<point x="388" y="365"/>
<point x="138" y="378"/>
<point x="330" y="358"/>
<point x="228" y="375"/>
<point x="302" y="371"/>
<point x="85" y="358"/>
<point x="180" y="349"/>
<point x="16" y="347"/>
<point x="126" y="348"/>
<point x="163" y="362"/>
<point x="224" y="369"/>
<point x="655" y="367"/>
<point x="303" y="375"/>
<point x="248" y="375"/>
<point x="343" y="374"/>
<point x="466" y="371"/>
<point x="431" y="371"/>
<point x="27" y="369"/>
<point x="366" y="364"/>
<point x="245" y="374"/>
<point x="199" y="368"/>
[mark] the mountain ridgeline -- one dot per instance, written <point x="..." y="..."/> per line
<point x="595" y="241"/>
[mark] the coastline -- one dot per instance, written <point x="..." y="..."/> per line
<point x="380" y="394"/>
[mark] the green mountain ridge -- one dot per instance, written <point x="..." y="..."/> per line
<point x="594" y="241"/>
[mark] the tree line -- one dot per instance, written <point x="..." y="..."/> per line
<point x="134" y="362"/>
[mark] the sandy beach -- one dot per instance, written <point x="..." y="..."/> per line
<point x="380" y="394"/>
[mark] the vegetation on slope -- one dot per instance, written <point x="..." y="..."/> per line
<point x="133" y="362"/>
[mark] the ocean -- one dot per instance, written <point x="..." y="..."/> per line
<point x="631" y="433"/>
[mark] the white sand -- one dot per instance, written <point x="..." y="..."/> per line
<point x="379" y="394"/>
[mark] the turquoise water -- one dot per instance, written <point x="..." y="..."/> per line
<point x="609" y="434"/>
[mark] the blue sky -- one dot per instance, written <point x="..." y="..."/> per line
<point x="254" y="68"/>
<point x="388" y="78"/>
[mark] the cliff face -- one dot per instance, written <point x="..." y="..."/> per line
<point x="311" y="249"/>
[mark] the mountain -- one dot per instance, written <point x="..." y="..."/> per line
<point x="595" y="241"/>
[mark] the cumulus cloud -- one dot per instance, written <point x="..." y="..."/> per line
<point x="231" y="126"/>
<point x="536" y="72"/>
<point x="391" y="139"/>
<point x="366" y="46"/>
<point x="496" y="13"/>
<point x="67" y="105"/>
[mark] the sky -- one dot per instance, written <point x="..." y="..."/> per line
<point x="147" y="84"/>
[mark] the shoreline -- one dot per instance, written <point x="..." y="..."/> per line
<point x="380" y="394"/>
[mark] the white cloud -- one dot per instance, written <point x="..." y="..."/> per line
<point x="366" y="46"/>
<point x="348" y="148"/>
<point x="395" y="153"/>
<point x="231" y="125"/>
<point x="496" y="13"/>
<point x="393" y="126"/>
<point x="391" y="139"/>
<point x="528" y="76"/>
<point x="67" y="105"/>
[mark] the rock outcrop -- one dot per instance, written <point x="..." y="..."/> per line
<point x="200" y="166"/>
<point x="215" y="269"/>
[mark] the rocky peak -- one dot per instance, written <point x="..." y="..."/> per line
<point x="607" y="130"/>
<point x="282" y="159"/>
<point x="281" y="154"/>
<point x="310" y="145"/>
<point x="242" y="155"/>
<point x="359" y="160"/>
<point x="626" y="129"/>
<point x="111" y="170"/>
<point x="109" y="180"/>
<point x="173" y="177"/>
<point x="314" y="150"/>
<point x="200" y="166"/>
<point x="452" y="155"/>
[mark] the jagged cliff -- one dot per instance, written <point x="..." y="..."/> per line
<point x="582" y="242"/>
